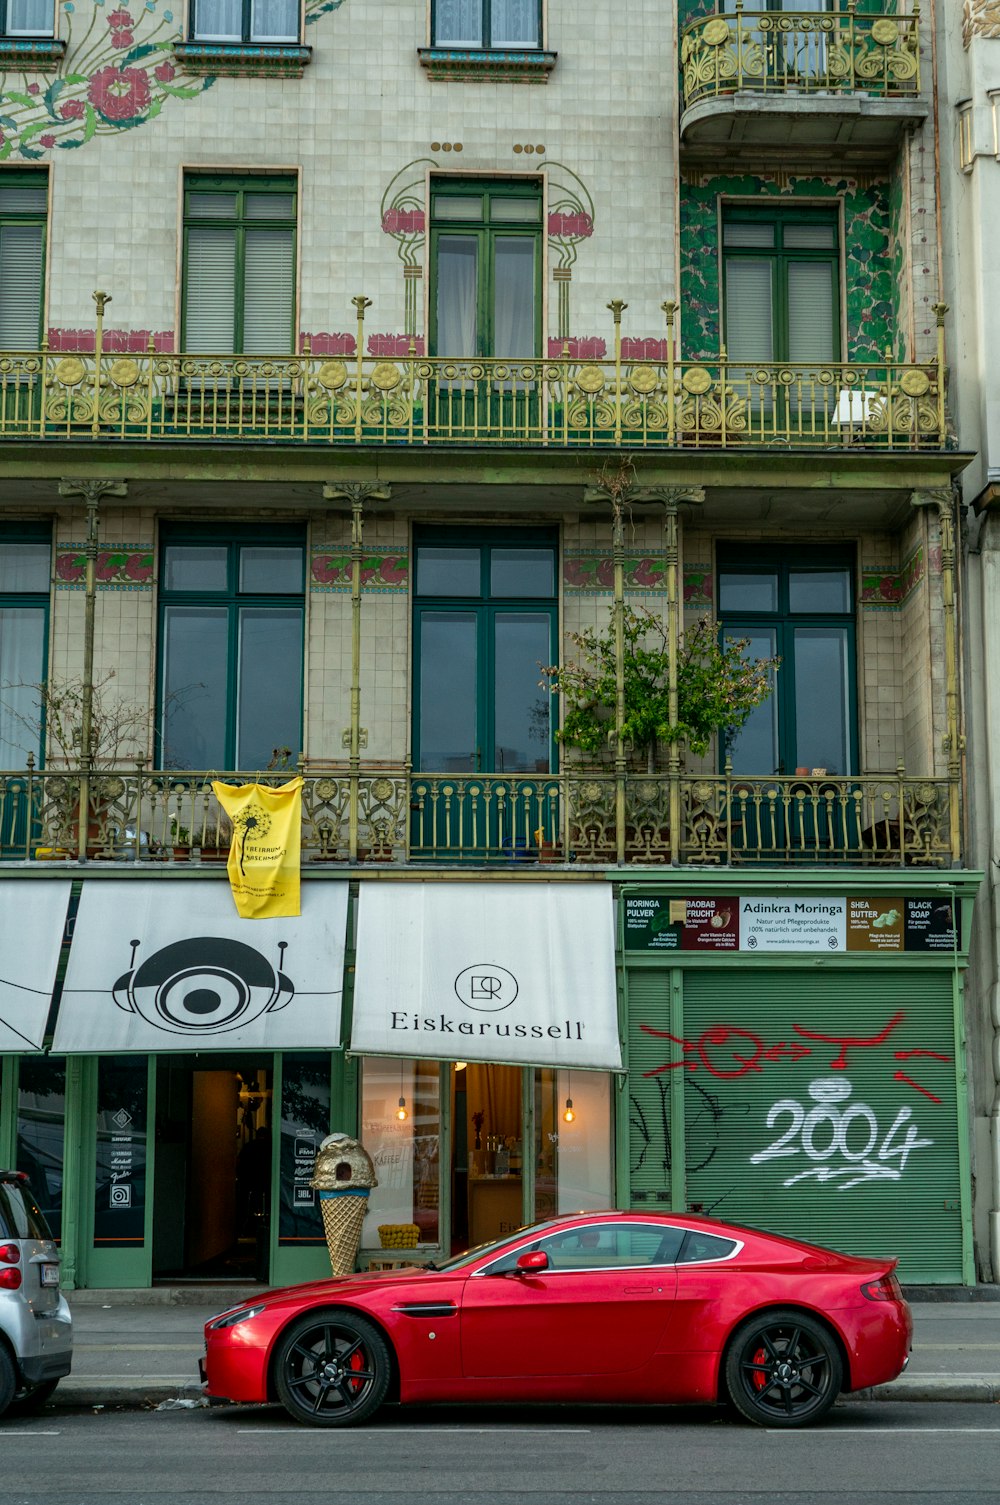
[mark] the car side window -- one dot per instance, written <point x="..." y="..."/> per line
<point x="704" y="1246"/>
<point x="612" y="1246"/>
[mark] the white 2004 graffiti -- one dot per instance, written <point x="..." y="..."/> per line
<point x="848" y="1136"/>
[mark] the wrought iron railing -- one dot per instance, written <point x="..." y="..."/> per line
<point x="839" y="51"/>
<point x="563" y="403"/>
<point x="495" y="819"/>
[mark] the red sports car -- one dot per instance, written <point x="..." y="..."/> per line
<point x="605" y="1306"/>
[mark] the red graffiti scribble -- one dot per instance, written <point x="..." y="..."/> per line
<point x="904" y="1055"/>
<point x="686" y="1045"/>
<point x="720" y="1035"/>
<point x="849" y="1042"/>
<point x="900" y="1076"/>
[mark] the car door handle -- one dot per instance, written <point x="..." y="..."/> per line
<point x="642" y="1290"/>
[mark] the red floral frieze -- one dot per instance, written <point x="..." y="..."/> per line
<point x="118" y="341"/>
<point x="643" y="350"/>
<point x="588" y="347"/>
<point x="330" y="344"/>
<point x="404" y="222"/>
<point x="395" y="346"/>
<point x="123" y="567"/>
<point x="378" y="571"/>
<point x="570" y="226"/>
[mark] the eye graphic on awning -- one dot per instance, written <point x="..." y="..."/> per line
<point x="32" y="921"/>
<point x="160" y="967"/>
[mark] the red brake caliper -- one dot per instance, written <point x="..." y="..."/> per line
<point x="759" y="1361"/>
<point x="356" y="1362"/>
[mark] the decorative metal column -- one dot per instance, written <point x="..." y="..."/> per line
<point x="92" y="493"/>
<point x="356" y="736"/>
<point x="943" y="499"/>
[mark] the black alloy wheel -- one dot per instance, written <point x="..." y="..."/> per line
<point x="783" y="1369"/>
<point x="331" y="1369"/>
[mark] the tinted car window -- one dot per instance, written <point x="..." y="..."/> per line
<point x="20" y="1215"/>
<point x="699" y="1246"/>
<point x="607" y="1246"/>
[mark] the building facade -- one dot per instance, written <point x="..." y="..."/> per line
<point x="354" y="359"/>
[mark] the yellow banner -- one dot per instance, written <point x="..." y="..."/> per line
<point x="264" y="852"/>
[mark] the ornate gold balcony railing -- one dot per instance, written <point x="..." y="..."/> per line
<point x="564" y="403"/>
<point x="838" y="51"/>
<point x="493" y="819"/>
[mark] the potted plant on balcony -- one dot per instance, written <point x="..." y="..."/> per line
<point x="53" y="712"/>
<point x="717" y="688"/>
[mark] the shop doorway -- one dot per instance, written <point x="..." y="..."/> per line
<point x="213" y="1168"/>
<point x="487" y="1153"/>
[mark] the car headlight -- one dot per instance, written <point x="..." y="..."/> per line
<point x="230" y="1319"/>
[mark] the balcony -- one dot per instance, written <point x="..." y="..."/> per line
<point x="499" y="821"/>
<point x="809" y="81"/>
<point x="563" y="405"/>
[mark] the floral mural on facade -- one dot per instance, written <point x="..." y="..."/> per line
<point x="868" y="255"/>
<point x="125" y="567"/>
<point x="118" y="72"/>
<point x="382" y="573"/>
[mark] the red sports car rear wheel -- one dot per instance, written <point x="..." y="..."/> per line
<point x="331" y="1369"/>
<point x="783" y="1369"/>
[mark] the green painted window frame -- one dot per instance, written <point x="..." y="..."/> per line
<point x="781" y="216"/>
<point x="783" y="560"/>
<point x="486" y="230"/>
<point x="485" y="606"/>
<point x="234" y="538"/>
<point x="35" y="600"/>
<point x="241" y="185"/>
<point x="487" y="44"/>
<point x="29" y="178"/>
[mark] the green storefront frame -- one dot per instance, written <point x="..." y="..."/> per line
<point x="858" y="1139"/>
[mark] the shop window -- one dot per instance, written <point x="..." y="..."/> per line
<point x="797" y="604"/>
<point x="239" y="265"/>
<point x="401" y="1130"/>
<point x="245" y="21"/>
<point x="487" y="23"/>
<point x="23" y="211"/>
<point x="572" y="1155"/>
<point x="232" y="608"/>
<point x="781" y="278"/>
<point x="26" y="18"/>
<point x="25" y="563"/>
<point x="41" y="1117"/>
<point x="486" y="256"/>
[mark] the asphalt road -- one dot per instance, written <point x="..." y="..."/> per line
<point x="863" y="1454"/>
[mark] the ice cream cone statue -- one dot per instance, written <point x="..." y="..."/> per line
<point x="343" y="1175"/>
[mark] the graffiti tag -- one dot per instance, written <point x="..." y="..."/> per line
<point x="844" y="1140"/>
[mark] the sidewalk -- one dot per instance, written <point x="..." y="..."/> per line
<point x="138" y="1348"/>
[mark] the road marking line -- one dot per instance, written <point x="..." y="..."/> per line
<point x="888" y="1431"/>
<point x="36" y="1433"/>
<point x="136" y="1347"/>
<point x="429" y="1430"/>
<point x="960" y="1347"/>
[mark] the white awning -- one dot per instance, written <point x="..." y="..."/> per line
<point x="160" y="966"/>
<point x="522" y="973"/>
<point x="32" y="920"/>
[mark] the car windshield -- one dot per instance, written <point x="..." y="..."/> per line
<point x="20" y="1214"/>
<point x="495" y="1246"/>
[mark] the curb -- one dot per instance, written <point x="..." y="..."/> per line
<point x="91" y="1394"/>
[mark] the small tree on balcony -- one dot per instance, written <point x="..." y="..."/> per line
<point x="53" y="709"/>
<point x="717" y="687"/>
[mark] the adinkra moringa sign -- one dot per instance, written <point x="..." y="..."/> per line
<point x="810" y="923"/>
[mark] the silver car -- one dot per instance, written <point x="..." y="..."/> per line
<point x="36" y="1329"/>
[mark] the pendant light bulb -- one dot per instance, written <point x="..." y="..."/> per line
<point x="401" y="1112"/>
<point x="568" y="1114"/>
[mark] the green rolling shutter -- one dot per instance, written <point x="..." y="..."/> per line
<point x="852" y="1145"/>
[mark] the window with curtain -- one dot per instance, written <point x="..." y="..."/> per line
<point x="486" y="252"/>
<point x="781" y="284"/>
<point x="27" y="18"/>
<point x="232" y="609"/>
<point x="25" y="566"/>
<point x="245" y="20"/>
<point x="23" y="210"/>
<point x="487" y="23"/>
<point x="239" y="265"/>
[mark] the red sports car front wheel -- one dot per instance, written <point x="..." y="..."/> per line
<point x="783" y="1369"/>
<point x="331" y="1369"/>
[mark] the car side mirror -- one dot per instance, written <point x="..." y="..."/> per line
<point x="535" y="1259"/>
